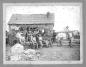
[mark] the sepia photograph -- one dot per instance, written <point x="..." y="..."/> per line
<point x="42" y="33"/>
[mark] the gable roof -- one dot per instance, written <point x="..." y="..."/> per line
<point x="32" y="18"/>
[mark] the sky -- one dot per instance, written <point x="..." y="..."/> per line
<point x="69" y="15"/>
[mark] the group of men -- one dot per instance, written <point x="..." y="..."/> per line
<point x="30" y="40"/>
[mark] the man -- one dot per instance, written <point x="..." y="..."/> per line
<point x="37" y="40"/>
<point x="40" y="40"/>
<point x="20" y="37"/>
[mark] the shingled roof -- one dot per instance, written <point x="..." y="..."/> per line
<point x="32" y="18"/>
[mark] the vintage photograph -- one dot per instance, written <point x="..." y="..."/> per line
<point x="42" y="33"/>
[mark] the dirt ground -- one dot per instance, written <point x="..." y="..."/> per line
<point x="55" y="53"/>
<point x="60" y="53"/>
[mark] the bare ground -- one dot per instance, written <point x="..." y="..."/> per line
<point x="55" y="53"/>
<point x="60" y="53"/>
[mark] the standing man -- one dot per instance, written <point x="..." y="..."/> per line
<point x="37" y="40"/>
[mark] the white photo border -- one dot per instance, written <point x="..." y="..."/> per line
<point x="42" y="62"/>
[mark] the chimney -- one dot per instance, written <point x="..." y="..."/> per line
<point x="48" y="14"/>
